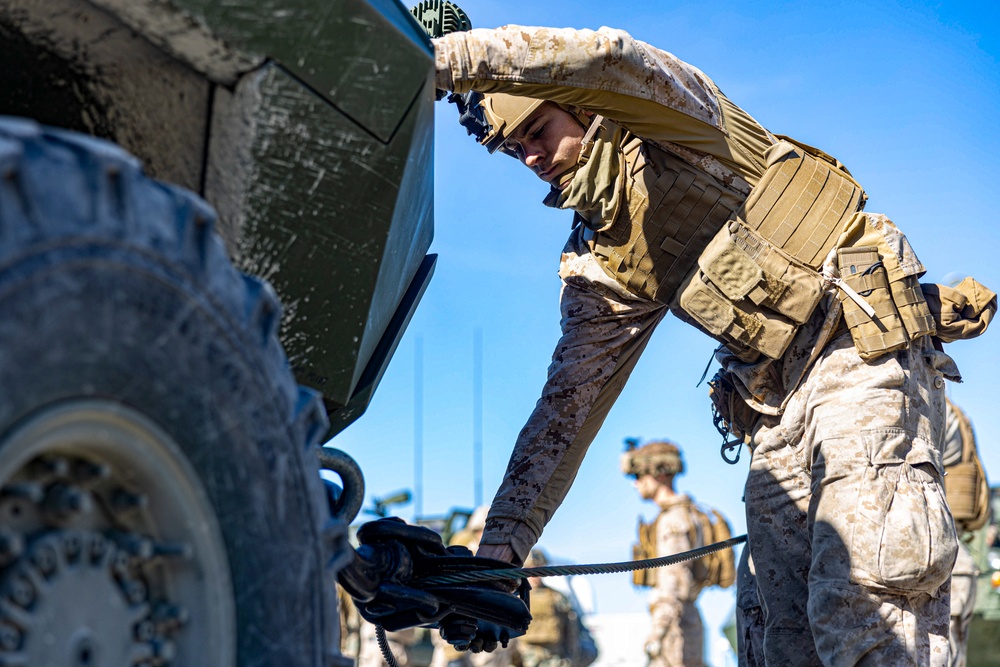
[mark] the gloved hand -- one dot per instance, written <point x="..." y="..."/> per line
<point x="505" y="553"/>
<point x="488" y="637"/>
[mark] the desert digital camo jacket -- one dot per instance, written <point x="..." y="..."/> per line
<point x="845" y="503"/>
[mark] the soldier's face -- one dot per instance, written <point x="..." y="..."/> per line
<point x="646" y="486"/>
<point x="548" y="142"/>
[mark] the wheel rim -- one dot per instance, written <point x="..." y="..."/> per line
<point x="110" y="550"/>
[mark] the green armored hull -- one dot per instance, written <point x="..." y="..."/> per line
<point x="307" y="126"/>
<point x="214" y="224"/>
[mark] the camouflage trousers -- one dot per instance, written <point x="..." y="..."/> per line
<point x="963" y="600"/>
<point x="852" y="540"/>
<point x="533" y="655"/>
<point x="749" y="615"/>
<point x="678" y="638"/>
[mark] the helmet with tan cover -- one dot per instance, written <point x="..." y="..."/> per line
<point x="504" y="113"/>
<point x="659" y="457"/>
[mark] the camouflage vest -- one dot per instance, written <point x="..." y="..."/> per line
<point x="548" y="617"/>
<point x="965" y="483"/>
<point x="746" y="270"/>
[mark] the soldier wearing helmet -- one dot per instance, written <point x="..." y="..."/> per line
<point x="557" y="636"/>
<point x="682" y="201"/>
<point x="446" y="655"/>
<point x="677" y="635"/>
<point x="968" y="496"/>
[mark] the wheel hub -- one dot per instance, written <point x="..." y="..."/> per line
<point x="106" y="546"/>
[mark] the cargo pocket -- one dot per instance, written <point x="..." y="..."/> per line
<point x="904" y="537"/>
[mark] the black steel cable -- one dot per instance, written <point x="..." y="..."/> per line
<point x="565" y="570"/>
<point x="383" y="645"/>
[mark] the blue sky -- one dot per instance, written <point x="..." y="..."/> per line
<point x="904" y="93"/>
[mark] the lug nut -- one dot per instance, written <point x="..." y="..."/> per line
<point x="98" y="546"/>
<point x="72" y="545"/>
<point x="135" y="591"/>
<point x="44" y="557"/>
<point x="145" y="631"/>
<point x="11" y="547"/>
<point x="135" y="545"/>
<point x="30" y="491"/>
<point x="10" y="636"/>
<point x="54" y="466"/>
<point x="21" y="591"/>
<point x="122" y="500"/>
<point x="170" y="616"/>
<point x="65" y="501"/>
<point x="88" y="472"/>
<point x="169" y="549"/>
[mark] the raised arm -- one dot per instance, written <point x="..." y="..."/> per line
<point x="649" y="91"/>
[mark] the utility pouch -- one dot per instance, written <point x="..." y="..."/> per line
<point x="746" y="291"/>
<point x="862" y="269"/>
<point x="785" y="286"/>
<point x="963" y="487"/>
<point x="746" y="323"/>
<point x="912" y="306"/>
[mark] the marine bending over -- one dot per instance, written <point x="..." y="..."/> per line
<point x="681" y="201"/>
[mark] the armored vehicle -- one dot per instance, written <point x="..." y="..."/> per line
<point x="984" y="630"/>
<point x="214" y="225"/>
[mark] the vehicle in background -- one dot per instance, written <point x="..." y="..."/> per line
<point x="984" y="631"/>
<point x="214" y="225"/>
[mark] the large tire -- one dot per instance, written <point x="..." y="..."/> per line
<point x="159" y="488"/>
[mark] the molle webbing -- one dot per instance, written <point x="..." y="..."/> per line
<point x="802" y="202"/>
<point x="673" y="212"/>
<point x="759" y="279"/>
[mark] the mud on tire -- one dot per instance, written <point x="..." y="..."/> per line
<point x="159" y="496"/>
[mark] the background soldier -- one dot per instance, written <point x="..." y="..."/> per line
<point x="968" y="496"/>
<point x="445" y="655"/>
<point x="557" y="634"/>
<point x="677" y="637"/>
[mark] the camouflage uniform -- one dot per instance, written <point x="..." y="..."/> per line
<point x="963" y="576"/>
<point x="846" y="514"/>
<point x="963" y="602"/>
<point x="850" y="443"/>
<point x="749" y="615"/>
<point x="552" y="636"/>
<point x="677" y="636"/>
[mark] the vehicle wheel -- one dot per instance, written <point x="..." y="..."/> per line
<point x="160" y="502"/>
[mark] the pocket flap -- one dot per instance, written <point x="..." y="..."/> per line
<point x="730" y="268"/>
<point x="892" y="446"/>
<point x="706" y="306"/>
